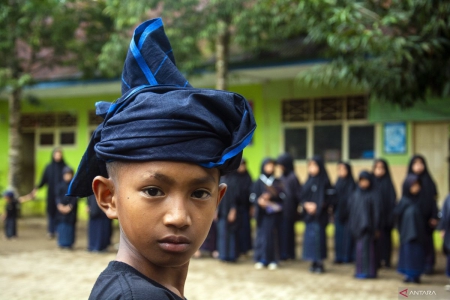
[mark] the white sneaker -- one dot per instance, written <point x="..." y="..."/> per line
<point x="259" y="266"/>
<point x="272" y="266"/>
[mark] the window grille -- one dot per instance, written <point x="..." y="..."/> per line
<point x="296" y="110"/>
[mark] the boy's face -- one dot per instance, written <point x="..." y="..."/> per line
<point x="364" y="183"/>
<point x="165" y="209"/>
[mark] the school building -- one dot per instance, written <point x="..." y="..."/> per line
<point x="337" y="123"/>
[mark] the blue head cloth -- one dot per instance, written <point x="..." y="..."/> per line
<point x="161" y="117"/>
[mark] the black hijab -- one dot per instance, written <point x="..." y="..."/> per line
<point x="291" y="187"/>
<point x="316" y="189"/>
<point x="344" y="188"/>
<point x="364" y="212"/>
<point x="388" y="197"/>
<point x="412" y="224"/>
<point x="428" y="192"/>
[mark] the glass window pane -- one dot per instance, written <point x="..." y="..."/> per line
<point x="361" y="142"/>
<point x="67" y="138"/>
<point x="46" y="139"/>
<point x="295" y="142"/>
<point x="328" y="142"/>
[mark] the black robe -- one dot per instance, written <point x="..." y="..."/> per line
<point x="52" y="177"/>
<point x="428" y="192"/>
<point x="444" y="224"/>
<point x="365" y="215"/>
<point x="411" y="222"/>
<point x="344" y="189"/>
<point x="388" y="197"/>
<point x="61" y="198"/>
<point x="318" y="189"/>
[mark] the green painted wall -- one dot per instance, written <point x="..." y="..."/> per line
<point x="435" y="109"/>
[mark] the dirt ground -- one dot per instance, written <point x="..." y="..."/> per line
<point x="32" y="267"/>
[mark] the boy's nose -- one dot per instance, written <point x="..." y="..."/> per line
<point x="177" y="215"/>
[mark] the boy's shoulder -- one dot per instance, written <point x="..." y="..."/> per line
<point x="121" y="281"/>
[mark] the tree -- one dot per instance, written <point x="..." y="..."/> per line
<point x="196" y="29"/>
<point x="398" y="50"/>
<point x="39" y="35"/>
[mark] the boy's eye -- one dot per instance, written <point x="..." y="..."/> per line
<point x="200" y="194"/>
<point x="154" y="192"/>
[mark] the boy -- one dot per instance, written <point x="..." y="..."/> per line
<point x="155" y="163"/>
<point x="67" y="212"/>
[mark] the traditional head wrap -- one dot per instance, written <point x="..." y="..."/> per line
<point x="9" y="194"/>
<point x="161" y="117"/>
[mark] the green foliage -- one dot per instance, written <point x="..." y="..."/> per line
<point x="193" y="26"/>
<point x="398" y="50"/>
<point x="41" y="34"/>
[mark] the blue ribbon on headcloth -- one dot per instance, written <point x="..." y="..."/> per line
<point x="161" y="117"/>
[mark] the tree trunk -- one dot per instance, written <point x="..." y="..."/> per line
<point x="222" y="46"/>
<point x="14" y="140"/>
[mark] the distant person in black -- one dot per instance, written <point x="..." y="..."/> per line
<point x="428" y="206"/>
<point x="244" y="183"/>
<point x="67" y="212"/>
<point x="344" y="245"/>
<point x="292" y="190"/>
<point x="99" y="228"/>
<point x="316" y="197"/>
<point x="12" y="212"/>
<point x="388" y="199"/>
<point x="52" y="177"/>
<point x="364" y="222"/>
<point x="412" y="226"/>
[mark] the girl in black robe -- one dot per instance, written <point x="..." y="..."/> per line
<point x="316" y="197"/>
<point x="292" y="190"/>
<point x="444" y="227"/>
<point x="267" y="220"/>
<point x="383" y="184"/>
<point x="364" y="222"/>
<point x="412" y="226"/>
<point x="428" y="196"/>
<point x="243" y="182"/>
<point x="99" y="228"/>
<point x="67" y="212"/>
<point x="11" y="215"/>
<point x="343" y="240"/>
<point x="52" y="177"/>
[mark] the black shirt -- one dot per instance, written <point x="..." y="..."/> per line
<point x="121" y="281"/>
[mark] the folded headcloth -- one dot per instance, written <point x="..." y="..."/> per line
<point x="161" y="117"/>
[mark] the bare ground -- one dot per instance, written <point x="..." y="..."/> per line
<point x="32" y="267"/>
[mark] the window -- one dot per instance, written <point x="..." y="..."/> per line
<point x="67" y="138"/>
<point x="333" y="127"/>
<point x="46" y="139"/>
<point x="94" y="119"/>
<point x="295" y="142"/>
<point x="361" y="142"/>
<point x="51" y="128"/>
<point x="328" y="142"/>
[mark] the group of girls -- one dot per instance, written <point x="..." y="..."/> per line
<point x="364" y="214"/>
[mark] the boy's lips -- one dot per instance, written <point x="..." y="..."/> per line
<point x="174" y="243"/>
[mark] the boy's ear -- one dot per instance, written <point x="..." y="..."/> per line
<point x="222" y="190"/>
<point x="104" y="194"/>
